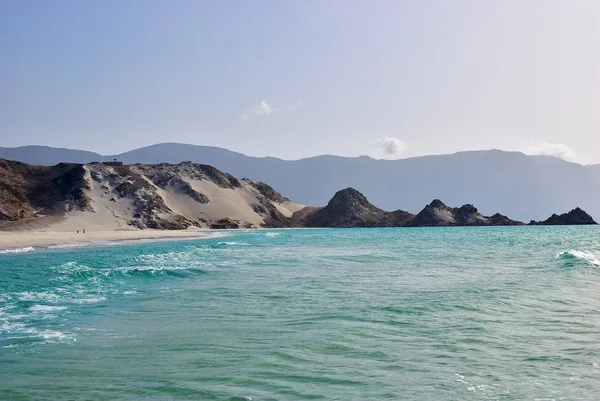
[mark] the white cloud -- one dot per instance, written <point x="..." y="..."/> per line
<point x="264" y="109"/>
<point x="551" y="149"/>
<point x="388" y="148"/>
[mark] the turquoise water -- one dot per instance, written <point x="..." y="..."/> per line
<point x="357" y="314"/>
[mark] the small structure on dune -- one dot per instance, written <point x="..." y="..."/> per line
<point x="113" y="163"/>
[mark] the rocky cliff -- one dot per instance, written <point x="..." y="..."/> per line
<point x="26" y="190"/>
<point x="574" y="217"/>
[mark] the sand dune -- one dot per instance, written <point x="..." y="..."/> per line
<point x="99" y="198"/>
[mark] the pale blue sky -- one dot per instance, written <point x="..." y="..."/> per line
<point x="300" y="78"/>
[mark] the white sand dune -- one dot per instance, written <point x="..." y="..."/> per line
<point x="110" y="210"/>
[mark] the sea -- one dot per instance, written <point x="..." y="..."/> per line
<point x="479" y="313"/>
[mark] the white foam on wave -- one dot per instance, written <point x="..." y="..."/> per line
<point x="38" y="296"/>
<point x="188" y="260"/>
<point x="233" y="243"/>
<point x="581" y="255"/>
<point x="13" y="327"/>
<point x="55" y="335"/>
<point x="218" y="235"/>
<point x="89" y="300"/>
<point x="70" y="267"/>
<point x="272" y="234"/>
<point x="17" y="250"/>
<point x="70" y="245"/>
<point x="151" y="269"/>
<point x="46" y="308"/>
<point x="61" y="296"/>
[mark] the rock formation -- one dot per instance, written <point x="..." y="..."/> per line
<point x="438" y="214"/>
<point x="574" y="217"/>
<point x="350" y="208"/>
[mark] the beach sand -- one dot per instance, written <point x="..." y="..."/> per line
<point x="17" y="239"/>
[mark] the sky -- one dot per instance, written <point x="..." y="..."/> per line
<point x="293" y="79"/>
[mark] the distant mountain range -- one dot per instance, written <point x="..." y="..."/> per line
<point x="521" y="186"/>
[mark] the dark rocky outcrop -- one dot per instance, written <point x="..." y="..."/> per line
<point x="27" y="190"/>
<point x="225" y="224"/>
<point x="576" y="216"/>
<point x="501" y="220"/>
<point x="350" y="208"/>
<point x="438" y="214"/>
<point x="267" y="191"/>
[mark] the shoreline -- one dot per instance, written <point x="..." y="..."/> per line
<point x="21" y="239"/>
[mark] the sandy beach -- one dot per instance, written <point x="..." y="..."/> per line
<point x="17" y="239"/>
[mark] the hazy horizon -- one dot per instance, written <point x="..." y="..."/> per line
<point x="305" y="157"/>
<point x="385" y="79"/>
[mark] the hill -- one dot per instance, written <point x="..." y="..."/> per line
<point x="350" y="208"/>
<point x="67" y="197"/>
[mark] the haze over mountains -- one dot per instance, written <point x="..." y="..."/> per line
<point x="514" y="184"/>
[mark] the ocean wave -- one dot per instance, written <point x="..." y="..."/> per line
<point x="46" y="308"/>
<point x="586" y="257"/>
<point x="17" y="250"/>
<point x="272" y="234"/>
<point x="17" y="329"/>
<point x="36" y="296"/>
<point x="79" y="275"/>
<point x="70" y="245"/>
<point x="37" y="315"/>
<point x="233" y="243"/>
<point x="217" y="235"/>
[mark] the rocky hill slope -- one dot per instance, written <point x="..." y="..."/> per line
<point x="574" y="217"/>
<point x="438" y="214"/>
<point x="164" y="196"/>
<point x="350" y="208"/>
<point x="26" y="190"/>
